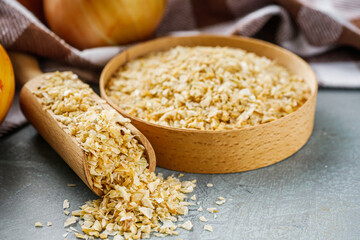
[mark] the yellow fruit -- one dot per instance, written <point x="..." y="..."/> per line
<point x="7" y="83"/>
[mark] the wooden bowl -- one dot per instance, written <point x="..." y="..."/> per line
<point x="228" y="150"/>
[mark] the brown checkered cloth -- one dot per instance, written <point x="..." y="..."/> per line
<point x="307" y="27"/>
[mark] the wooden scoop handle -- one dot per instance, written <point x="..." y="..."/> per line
<point x="26" y="67"/>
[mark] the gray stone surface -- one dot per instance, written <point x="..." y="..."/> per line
<point x="315" y="194"/>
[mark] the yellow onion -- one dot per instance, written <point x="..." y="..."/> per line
<point x="7" y="83"/>
<point x="92" y="23"/>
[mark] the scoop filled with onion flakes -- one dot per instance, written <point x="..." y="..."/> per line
<point x="136" y="201"/>
<point x="206" y="88"/>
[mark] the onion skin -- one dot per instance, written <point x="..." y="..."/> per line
<point x="93" y="23"/>
<point x="7" y="83"/>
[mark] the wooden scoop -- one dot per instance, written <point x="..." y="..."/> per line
<point x="28" y="72"/>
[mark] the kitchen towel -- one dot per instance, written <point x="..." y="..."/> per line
<point x="306" y="27"/>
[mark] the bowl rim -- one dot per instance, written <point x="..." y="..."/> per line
<point x="311" y="82"/>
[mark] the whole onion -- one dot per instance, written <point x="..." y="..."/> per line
<point x="92" y="23"/>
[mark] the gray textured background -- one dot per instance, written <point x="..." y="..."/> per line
<point x="315" y="194"/>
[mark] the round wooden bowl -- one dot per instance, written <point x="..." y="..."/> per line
<point x="228" y="150"/>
